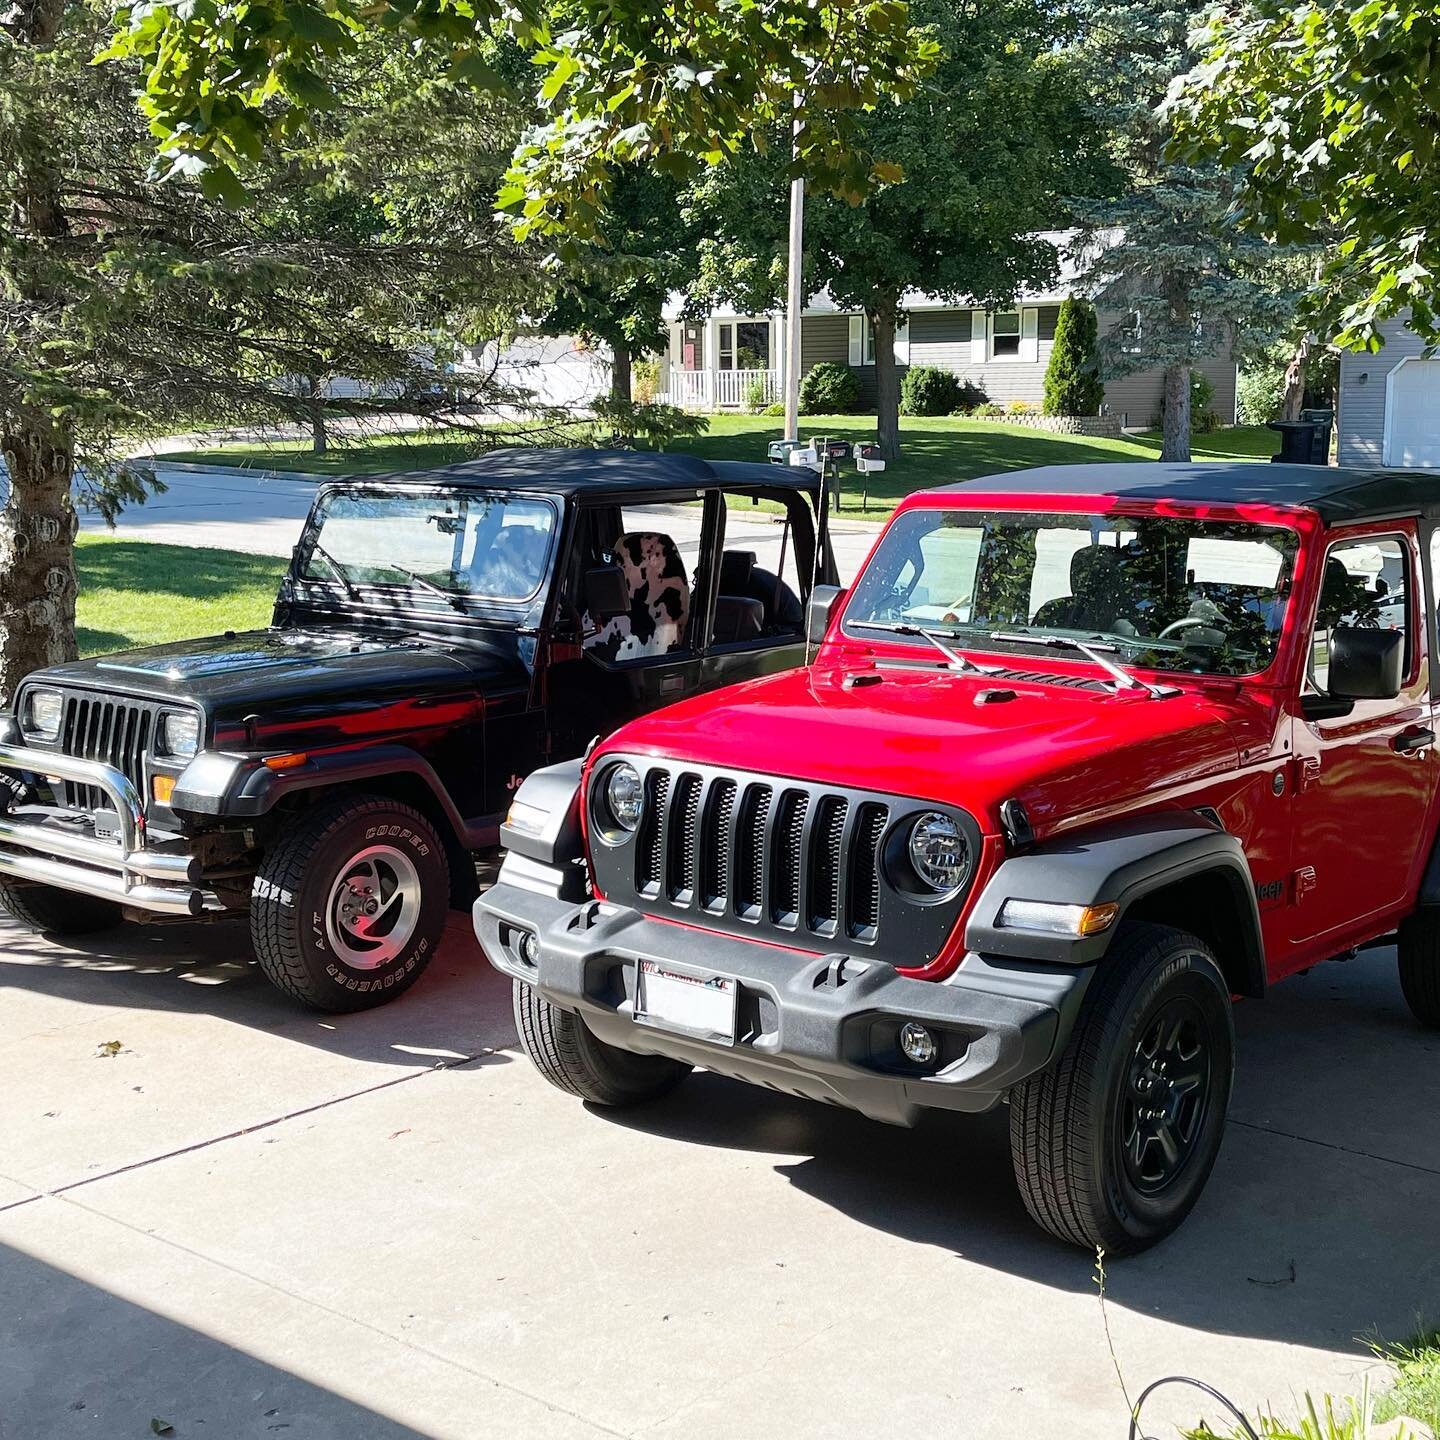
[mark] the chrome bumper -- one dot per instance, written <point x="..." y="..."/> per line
<point x="123" y="870"/>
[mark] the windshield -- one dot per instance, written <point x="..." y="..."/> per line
<point x="487" y="546"/>
<point x="1169" y="593"/>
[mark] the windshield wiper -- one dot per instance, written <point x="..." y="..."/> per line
<point x="449" y="596"/>
<point x="959" y="661"/>
<point x="335" y="568"/>
<point x="1098" y="653"/>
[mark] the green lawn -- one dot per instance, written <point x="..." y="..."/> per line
<point x="134" y="593"/>
<point x="935" y="451"/>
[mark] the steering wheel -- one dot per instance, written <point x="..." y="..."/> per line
<point x="1187" y="622"/>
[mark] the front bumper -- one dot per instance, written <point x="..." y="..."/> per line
<point x="824" y="1027"/>
<point x="61" y="848"/>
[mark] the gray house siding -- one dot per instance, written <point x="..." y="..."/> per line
<point x="1361" y="421"/>
<point x="1137" y="397"/>
<point x="824" y="339"/>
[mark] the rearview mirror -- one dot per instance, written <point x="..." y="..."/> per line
<point x="1366" y="664"/>
<point x="824" y="601"/>
<point x="606" y="593"/>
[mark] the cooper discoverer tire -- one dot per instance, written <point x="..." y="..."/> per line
<point x="1418" y="947"/>
<point x="347" y="908"/>
<point x="1114" y="1141"/>
<point x="53" y="911"/>
<point x="572" y="1059"/>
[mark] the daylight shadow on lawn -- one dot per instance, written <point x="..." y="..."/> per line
<point x="182" y="571"/>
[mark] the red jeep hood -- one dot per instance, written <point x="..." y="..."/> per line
<point x="1065" y="753"/>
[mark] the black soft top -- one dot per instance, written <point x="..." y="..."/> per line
<point x="570" y="472"/>
<point x="1336" y="494"/>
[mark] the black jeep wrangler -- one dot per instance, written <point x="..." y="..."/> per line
<point x="437" y="636"/>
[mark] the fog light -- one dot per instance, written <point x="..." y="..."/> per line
<point x="529" y="947"/>
<point x="917" y="1043"/>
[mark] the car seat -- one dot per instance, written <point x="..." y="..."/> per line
<point x="1098" y="596"/>
<point x="659" y="614"/>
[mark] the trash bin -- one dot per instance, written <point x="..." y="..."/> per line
<point x="1305" y="441"/>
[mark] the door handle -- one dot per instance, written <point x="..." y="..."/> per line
<point x="1409" y="741"/>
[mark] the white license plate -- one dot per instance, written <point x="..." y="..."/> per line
<point x="690" y="1002"/>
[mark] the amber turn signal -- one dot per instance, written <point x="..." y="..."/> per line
<point x="162" y="787"/>
<point x="286" y="762"/>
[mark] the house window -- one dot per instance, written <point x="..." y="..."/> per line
<point x="1005" y="335"/>
<point x="726" y="347"/>
<point x="1132" y="335"/>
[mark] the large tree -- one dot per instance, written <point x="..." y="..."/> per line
<point x="128" y="307"/>
<point x="672" y="83"/>
<point x="1166" y="256"/>
<point x="1333" y="113"/>
<point x="984" y="153"/>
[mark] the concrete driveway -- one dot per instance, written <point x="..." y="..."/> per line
<point x="253" y="1221"/>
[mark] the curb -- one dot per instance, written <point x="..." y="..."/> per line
<point x="249" y="472"/>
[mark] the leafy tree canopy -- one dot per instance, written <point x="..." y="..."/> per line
<point x="1333" y="112"/>
<point x="675" y="84"/>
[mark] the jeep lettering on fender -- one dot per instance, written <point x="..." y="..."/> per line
<point x="1083" y="755"/>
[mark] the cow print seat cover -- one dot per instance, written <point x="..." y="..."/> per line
<point x="659" y="601"/>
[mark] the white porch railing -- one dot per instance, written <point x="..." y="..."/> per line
<point x="719" y="389"/>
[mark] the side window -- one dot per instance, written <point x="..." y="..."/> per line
<point x="760" y="585"/>
<point x="1365" y="584"/>
<point x="1435" y="573"/>
<point x="637" y="595"/>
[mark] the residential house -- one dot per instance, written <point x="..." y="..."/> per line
<point x="725" y="359"/>
<point x="1389" y="403"/>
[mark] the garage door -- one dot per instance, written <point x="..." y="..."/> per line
<point x="1414" y="415"/>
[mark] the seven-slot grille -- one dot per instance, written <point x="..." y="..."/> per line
<point x="795" y="859"/>
<point x="95" y="727"/>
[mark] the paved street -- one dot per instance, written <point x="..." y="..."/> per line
<point x="253" y="1221"/>
<point x="232" y="510"/>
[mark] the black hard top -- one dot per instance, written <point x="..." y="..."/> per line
<point x="569" y="472"/>
<point x="1336" y="494"/>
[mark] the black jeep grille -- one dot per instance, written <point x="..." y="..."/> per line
<point x="118" y="732"/>
<point x="761" y="851"/>
<point x="816" y="867"/>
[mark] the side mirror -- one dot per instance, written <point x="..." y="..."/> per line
<point x="605" y="592"/>
<point x="824" y="601"/>
<point x="1366" y="664"/>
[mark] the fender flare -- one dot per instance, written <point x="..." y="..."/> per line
<point x="238" y="787"/>
<point x="1122" y="864"/>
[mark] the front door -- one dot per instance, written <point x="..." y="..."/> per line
<point x="1365" y="779"/>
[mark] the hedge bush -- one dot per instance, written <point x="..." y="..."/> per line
<point x="928" y="390"/>
<point x="829" y="389"/>
<point x="1072" y="378"/>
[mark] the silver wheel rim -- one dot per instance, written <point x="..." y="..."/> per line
<point x="373" y="908"/>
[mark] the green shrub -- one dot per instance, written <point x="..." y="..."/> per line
<point x="929" y="390"/>
<point x="755" y="394"/>
<point x="988" y="411"/>
<point x="1072" y="378"/>
<point x="971" y="398"/>
<point x="776" y="407"/>
<point x="1260" y="393"/>
<point x="1203" y="416"/>
<point x="1020" y="407"/>
<point x="829" y="389"/>
<point x="645" y="379"/>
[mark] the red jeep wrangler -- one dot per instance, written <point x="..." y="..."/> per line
<point x="1084" y="753"/>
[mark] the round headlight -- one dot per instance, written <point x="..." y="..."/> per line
<point x="179" y="736"/>
<point x="939" y="851"/>
<point x="625" y="796"/>
<point x="43" y="709"/>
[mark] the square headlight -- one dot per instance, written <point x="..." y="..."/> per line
<point x="178" y="735"/>
<point x="42" y="713"/>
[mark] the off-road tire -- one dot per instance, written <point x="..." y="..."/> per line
<point x="52" y="911"/>
<point x="573" y="1060"/>
<point x="294" y="885"/>
<point x="1066" y="1121"/>
<point x="1418" y="946"/>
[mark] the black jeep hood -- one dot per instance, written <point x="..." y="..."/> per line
<point x="260" y="667"/>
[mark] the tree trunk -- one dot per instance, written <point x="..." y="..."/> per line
<point x="37" y="554"/>
<point x="1293" y="394"/>
<point x="1175" y="414"/>
<point x="315" y="409"/>
<point x="887" y="382"/>
<point x="620" y="373"/>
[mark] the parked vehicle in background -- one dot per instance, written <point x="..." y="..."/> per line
<point x="1085" y="753"/>
<point x="437" y="636"/>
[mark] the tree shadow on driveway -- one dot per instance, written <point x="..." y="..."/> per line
<point x="458" y="1008"/>
<point x="1317" y="1228"/>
